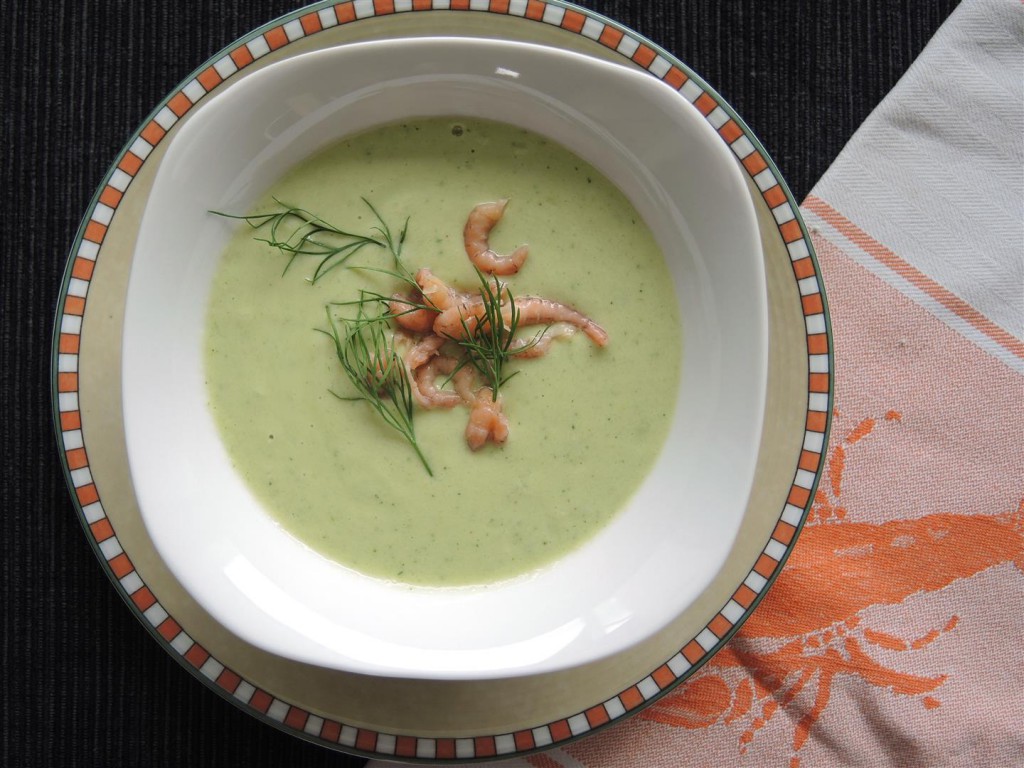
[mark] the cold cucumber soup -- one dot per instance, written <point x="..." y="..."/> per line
<point x="585" y="423"/>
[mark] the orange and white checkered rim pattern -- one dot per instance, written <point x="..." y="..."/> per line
<point x="89" y="247"/>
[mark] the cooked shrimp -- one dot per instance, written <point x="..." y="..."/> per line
<point x="475" y="236"/>
<point x="435" y="290"/>
<point x="534" y="310"/>
<point x="486" y="420"/>
<point x="464" y="381"/>
<point x="458" y="322"/>
<point x="449" y="324"/>
<point x="539" y="345"/>
<point x="425" y="388"/>
<point x="422" y="351"/>
<point x="438" y="293"/>
<point x="410" y="314"/>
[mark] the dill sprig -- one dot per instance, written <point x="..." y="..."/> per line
<point x="367" y="353"/>
<point x="488" y="343"/>
<point x="367" y="296"/>
<point x="393" y="244"/>
<point x="299" y="232"/>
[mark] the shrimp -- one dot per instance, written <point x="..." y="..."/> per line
<point x="464" y="380"/>
<point x="534" y="310"/>
<point x="425" y="388"/>
<point x="459" y="322"/>
<point x="539" y="345"/>
<point x="455" y="306"/>
<point x="410" y="315"/>
<point x="475" y="237"/>
<point x="422" y="351"/>
<point x="439" y="294"/>
<point x="486" y="420"/>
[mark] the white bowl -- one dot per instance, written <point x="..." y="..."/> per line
<point x="649" y="564"/>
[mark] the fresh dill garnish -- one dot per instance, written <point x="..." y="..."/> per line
<point x="299" y="232"/>
<point x="364" y="344"/>
<point x="366" y="351"/>
<point x="488" y="343"/>
<point x="373" y="297"/>
<point x="367" y="296"/>
<point x="392" y="244"/>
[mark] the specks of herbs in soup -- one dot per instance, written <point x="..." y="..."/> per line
<point x="500" y="322"/>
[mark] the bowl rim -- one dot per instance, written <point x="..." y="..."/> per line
<point x="219" y="557"/>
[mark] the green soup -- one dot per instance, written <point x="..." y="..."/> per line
<point x="585" y="423"/>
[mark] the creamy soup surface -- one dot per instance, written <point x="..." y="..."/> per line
<point x="586" y="423"/>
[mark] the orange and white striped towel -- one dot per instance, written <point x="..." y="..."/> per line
<point x="893" y="636"/>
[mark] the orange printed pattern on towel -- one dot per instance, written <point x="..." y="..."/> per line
<point x="809" y="632"/>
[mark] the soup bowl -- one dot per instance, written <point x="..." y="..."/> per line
<point x="633" y="577"/>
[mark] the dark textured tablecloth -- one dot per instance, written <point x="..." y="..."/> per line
<point x="81" y="682"/>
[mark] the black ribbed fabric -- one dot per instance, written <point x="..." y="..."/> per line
<point x="81" y="683"/>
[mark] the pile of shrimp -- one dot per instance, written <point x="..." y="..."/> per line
<point x="438" y="313"/>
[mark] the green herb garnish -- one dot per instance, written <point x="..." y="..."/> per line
<point x="488" y="343"/>
<point x="299" y="232"/>
<point x="366" y="351"/>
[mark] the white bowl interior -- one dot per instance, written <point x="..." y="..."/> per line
<point x="651" y="562"/>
